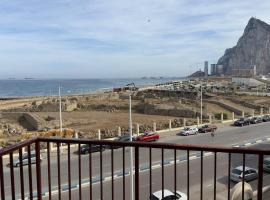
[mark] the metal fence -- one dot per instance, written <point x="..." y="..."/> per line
<point x="31" y="183"/>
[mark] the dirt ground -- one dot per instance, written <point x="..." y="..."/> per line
<point x="91" y="121"/>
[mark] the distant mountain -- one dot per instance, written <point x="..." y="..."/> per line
<point x="252" y="49"/>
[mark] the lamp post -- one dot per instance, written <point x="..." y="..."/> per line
<point x="131" y="85"/>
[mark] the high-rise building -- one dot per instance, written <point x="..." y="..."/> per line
<point x="206" y="68"/>
<point x="213" y="69"/>
<point x="219" y="70"/>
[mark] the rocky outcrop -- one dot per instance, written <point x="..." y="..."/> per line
<point x="252" y="49"/>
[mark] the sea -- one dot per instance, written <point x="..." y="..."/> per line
<point x="48" y="87"/>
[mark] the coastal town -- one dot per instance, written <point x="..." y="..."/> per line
<point x="78" y="122"/>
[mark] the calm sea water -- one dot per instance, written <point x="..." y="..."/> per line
<point x="20" y="88"/>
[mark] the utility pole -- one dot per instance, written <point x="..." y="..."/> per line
<point x="131" y="151"/>
<point x="130" y="139"/>
<point x="201" y="103"/>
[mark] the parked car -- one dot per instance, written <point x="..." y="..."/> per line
<point x="25" y="159"/>
<point x="255" y="120"/>
<point x="237" y="174"/>
<point x="189" y="131"/>
<point x="266" y="164"/>
<point x="84" y="149"/>
<point x="242" y="121"/>
<point x="122" y="138"/>
<point x="207" y="128"/>
<point x="266" y="118"/>
<point x="148" y="136"/>
<point x="168" y="195"/>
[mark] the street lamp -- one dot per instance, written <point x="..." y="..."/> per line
<point x="131" y="85"/>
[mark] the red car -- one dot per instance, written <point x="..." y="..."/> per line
<point x="148" y="137"/>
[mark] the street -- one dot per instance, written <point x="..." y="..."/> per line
<point x="226" y="136"/>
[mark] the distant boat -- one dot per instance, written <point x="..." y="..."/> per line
<point x="26" y="78"/>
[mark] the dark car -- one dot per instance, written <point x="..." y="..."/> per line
<point x="122" y="138"/>
<point x="84" y="149"/>
<point x="255" y="120"/>
<point x="207" y="128"/>
<point x="242" y="121"/>
<point x="25" y="159"/>
<point x="266" y="118"/>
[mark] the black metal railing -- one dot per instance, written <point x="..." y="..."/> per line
<point x="63" y="175"/>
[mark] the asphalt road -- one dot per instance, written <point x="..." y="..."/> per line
<point x="226" y="135"/>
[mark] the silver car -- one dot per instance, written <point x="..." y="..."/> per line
<point x="237" y="174"/>
<point x="266" y="164"/>
<point x="189" y="131"/>
<point x="25" y="159"/>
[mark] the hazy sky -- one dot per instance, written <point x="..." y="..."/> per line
<point x="118" y="38"/>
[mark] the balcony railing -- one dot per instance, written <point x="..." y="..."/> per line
<point x="105" y="174"/>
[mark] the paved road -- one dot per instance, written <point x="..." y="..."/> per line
<point x="226" y="135"/>
<point x="195" y="172"/>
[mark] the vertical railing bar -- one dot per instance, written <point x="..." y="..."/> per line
<point x="12" y="175"/>
<point x="124" y="174"/>
<point x="150" y="170"/>
<point x="112" y="172"/>
<point x="243" y="178"/>
<point x="38" y="171"/>
<point x="175" y="173"/>
<point x="188" y="174"/>
<point x="49" y="169"/>
<point x="21" y="174"/>
<point x="58" y="171"/>
<point x="80" y="171"/>
<point x="201" y="188"/>
<point x="2" y="182"/>
<point x="229" y="176"/>
<point x="137" y="180"/>
<point x="260" y="177"/>
<point x="162" y="171"/>
<point x="90" y="172"/>
<point x="69" y="172"/>
<point x="30" y="172"/>
<point x="215" y="175"/>
<point x="101" y="173"/>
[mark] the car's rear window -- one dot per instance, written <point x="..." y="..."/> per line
<point x="171" y="197"/>
<point x="266" y="162"/>
<point x="237" y="171"/>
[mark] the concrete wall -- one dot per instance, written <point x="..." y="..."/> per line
<point x="225" y="106"/>
<point x="34" y="120"/>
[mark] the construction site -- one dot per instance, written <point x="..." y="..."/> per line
<point x="107" y="113"/>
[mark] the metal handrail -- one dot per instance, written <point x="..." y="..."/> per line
<point x="206" y="148"/>
<point x="137" y="145"/>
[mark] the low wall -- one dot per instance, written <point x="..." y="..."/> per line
<point x="225" y="106"/>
